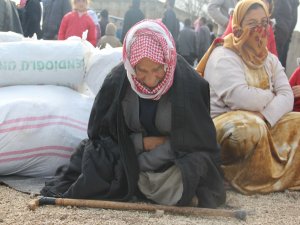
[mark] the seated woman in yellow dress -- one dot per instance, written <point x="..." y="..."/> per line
<point x="251" y="104"/>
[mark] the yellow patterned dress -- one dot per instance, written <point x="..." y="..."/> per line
<point x="258" y="158"/>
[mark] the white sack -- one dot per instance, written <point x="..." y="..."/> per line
<point x="99" y="65"/>
<point x="40" y="126"/>
<point x="43" y="62"/>
<point x="10" y="37"/>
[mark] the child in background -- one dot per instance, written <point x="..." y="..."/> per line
<point x="78" y="21"/>
<point x="295" y="84"/>
<point x="110" y="37"/>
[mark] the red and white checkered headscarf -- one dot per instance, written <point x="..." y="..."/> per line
<point x="150" y="39"/>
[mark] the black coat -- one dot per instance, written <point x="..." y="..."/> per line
<point x="106" y="167"/>
<point x="9" y="17"/>
<point x="285" y="13"/>
<point x="31" y="18"/>
<point x="171" y="22"/>
<point x="132" y="16"/>
<point x="54" y="11"/>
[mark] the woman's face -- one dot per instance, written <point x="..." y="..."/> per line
<point x="149" y="73"/>
<point x="255" y="17"/>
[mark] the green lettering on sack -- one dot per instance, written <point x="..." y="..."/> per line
<point x="62" y="64"/>
<point x="79" y="63"/>
<point x="12" y="65"/>
<point x="24" y="65"/>
<point x="49" y="65"/>
<point x="40" y="65"/>
<point x="33" y="64"/>
<point x="7" y="65"/>
<point x="71" y="64"/>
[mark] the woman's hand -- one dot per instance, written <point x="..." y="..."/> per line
<point x="296" y="91"/>
<point x="151" y="143"/>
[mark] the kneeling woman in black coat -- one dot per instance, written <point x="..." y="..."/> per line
<point x="150" y="131"/>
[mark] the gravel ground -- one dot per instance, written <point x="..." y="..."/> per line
<point x="276" y="208"/>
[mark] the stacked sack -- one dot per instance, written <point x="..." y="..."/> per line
<point x="45" y="103"/>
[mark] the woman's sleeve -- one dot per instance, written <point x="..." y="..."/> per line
<point x="225" y="75"/>
<point x="283" y="100"/>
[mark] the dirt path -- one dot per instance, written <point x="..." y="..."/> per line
<point x="276" y="208"/>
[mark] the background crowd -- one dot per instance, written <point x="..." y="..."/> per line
<point x="192" y="40"/>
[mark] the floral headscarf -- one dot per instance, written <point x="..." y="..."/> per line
<point x="236" y="41"/>
<point x="255" y="51"/>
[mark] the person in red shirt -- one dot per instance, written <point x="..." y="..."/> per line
<point x="271" y="45"/>
<point x="78" y="21"/>
<point x="295" y="84"/>
<point x="22" y="3"/>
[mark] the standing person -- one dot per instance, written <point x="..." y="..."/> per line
<point x="150" y="135"/>
<point x="53" y="12"/>
<point x="9" y="17"/>
<point x="132" y="16"/>
<point x="119" y="29"/>
<point x="203" y="38"/>
<point x="103" y="21"/>
<point x="285" y="14"/>
<point x="295" y="84"/>
<point x="271" y="45"/>
<point x="187" y="42"/>
<point x="170" y="19"/>
<point x="110" y="37"/>
<point x="77" y="22"/>
<point x="251" y="104"/>
<point x="219" y="10"/>
<point x="20" y="8"/>
<point x="94" y="17"/>
<point x="22" y="3"/>
<point x="31" y="21"/>
<point x="212" y="33"/>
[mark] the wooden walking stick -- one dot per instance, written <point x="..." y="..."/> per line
<point x="187" y="211"/>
